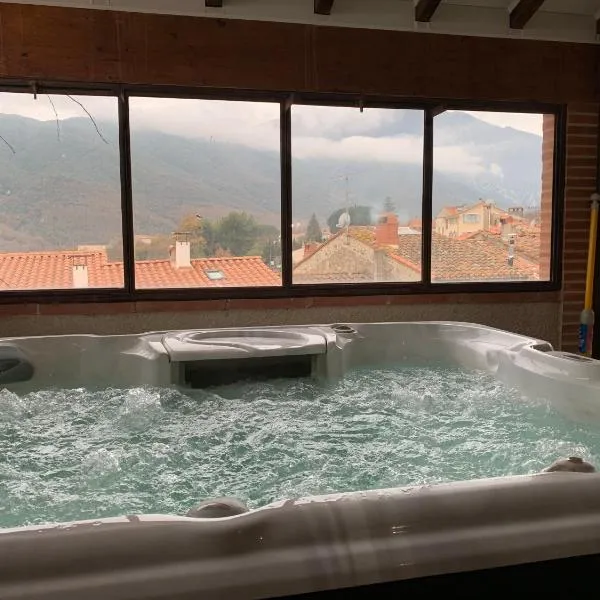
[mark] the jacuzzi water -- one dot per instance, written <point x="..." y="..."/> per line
<point x="78" y="454"/>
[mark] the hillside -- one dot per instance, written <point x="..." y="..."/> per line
<point x="57" y="193"/>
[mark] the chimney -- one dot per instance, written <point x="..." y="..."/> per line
<point x="386" y="230"/>
<point x="80" y="276"/>
<point x="179" y="254"/>
<point x="506" y="228"/>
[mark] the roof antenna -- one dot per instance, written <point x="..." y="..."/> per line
<point x="511" y="249"/>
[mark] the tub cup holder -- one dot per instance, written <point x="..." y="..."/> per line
<point x="345" y="330"/>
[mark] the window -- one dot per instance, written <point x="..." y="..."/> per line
<point x="60" y="193"/>
<point x="214" y="275"/>
<point x="357" y="194"/>
<point x="206" y="193"/>
<point x="495" y="170"/>
<point x="122" y="193"/>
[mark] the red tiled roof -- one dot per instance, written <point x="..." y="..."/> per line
<point x="474" y="258"/>
<point x="49" y="270"/>
<point x="54" y="270"/>
<point x="331" y="278"/>
<point x="470" y="259"/>
<point x="238" y="271"/>
<point x="527" y="242"/>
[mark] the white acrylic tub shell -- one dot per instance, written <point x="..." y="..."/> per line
<point x="219" y="344"/>
<point x="308" y="545"/>
<point x="313" y="544"/>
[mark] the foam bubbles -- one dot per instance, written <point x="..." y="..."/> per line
<point x="140" y="408"/>
<point x="12" y="407"/>
<point x="78" y="454"/>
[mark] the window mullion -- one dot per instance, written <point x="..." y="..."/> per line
<point x="126" y="194"/>
<point x="286" y="193"/>
<point x="426" y="208"/>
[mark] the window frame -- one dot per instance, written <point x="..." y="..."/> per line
<point x="430" y="107"/>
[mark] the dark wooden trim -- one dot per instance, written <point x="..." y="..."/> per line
<point x="126" y="194"/>
<point x="427" y="197"/>
<point x="558" y="194"/>
<point x="425" y="9"/>
<point x="522" y="13"/>
<point x="285" y="123"/>
<point x="323" y="7"/>
<point x="288" y="289"/>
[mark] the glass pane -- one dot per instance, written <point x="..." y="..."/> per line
<point x="492" y="197"/>
<point x="60" y="193"/>
<point x="357" y="194"/>
<point x="206" y="193"/>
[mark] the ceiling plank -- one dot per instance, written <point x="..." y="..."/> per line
<point x="213" y="3"/>
<point x="323" y="7"/>
<point x="521" y="14"/>
<point x="425" y="9"/>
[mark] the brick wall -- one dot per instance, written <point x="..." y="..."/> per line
<point x="580" y="172"/>
<point x="546" y="203"/>
<point x="102" y="46"/>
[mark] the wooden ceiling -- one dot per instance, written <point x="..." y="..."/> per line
<point x="558" y="20"/>
<point x="520" y="13"/>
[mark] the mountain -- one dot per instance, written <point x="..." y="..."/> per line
<point x="60" y="188"/>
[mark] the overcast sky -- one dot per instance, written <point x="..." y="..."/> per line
<point x="317" y="131"/>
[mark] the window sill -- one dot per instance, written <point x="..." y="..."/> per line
<point x="175" y="306"/>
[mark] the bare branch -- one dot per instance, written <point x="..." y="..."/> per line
<point x="9" y="146"/>
<point x="56" y="115"/>
<point x="87" y="112"/>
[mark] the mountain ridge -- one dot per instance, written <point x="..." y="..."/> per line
<point x="61" y="189"/>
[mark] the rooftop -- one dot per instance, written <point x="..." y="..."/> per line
<point x="54" y="270"/>
<point x="481" y="257"/>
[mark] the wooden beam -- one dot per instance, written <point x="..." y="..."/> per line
<point x="425" y="9"/>
<point x="521" y="14"/>
<point x="213" y="3"/>
<point x="323" y="7"/>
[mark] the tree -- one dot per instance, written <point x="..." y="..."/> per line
<point x="313" y="230"/>
<point x="237" y="233"/>
<point x="388" y="205"/>
<point x="359" y="215"/>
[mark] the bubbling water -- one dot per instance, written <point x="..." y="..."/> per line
<point x="79" y="454"/>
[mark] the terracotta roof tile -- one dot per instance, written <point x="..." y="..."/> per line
<point x="331" y="278"/>
<point x="49" y="270"/>
<point x="475" y="258"/>
<point x="54" y="270"/>
<point x="469" y="259"/>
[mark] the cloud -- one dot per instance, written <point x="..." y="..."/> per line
<point x="399" y="149"/>
<point x="318" y="131"/>
<point x="254" y="124"/>
<point x="102" y="108"/>
<point x="530" y="123"/>
<point x="496" y="169"/>
<point x="337" y="122"/>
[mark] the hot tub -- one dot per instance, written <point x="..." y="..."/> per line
<point x="316" y="543"/>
